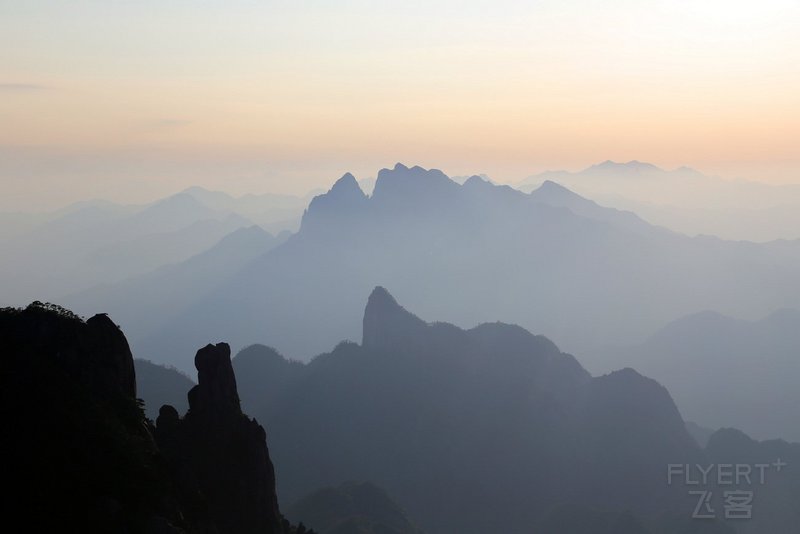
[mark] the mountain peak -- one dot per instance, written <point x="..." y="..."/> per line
<point x="346" y="185"/>
<point x="477" y="181"/>
<point x="403" y="185"/>
<point x="386" y="323"/>
<point x="216" y="383"/>
<point x="551" y="187"/>
<point x="381" y="297"/>
<point x="555" y="194"/>
<point x="633" y="166"/>
<point x="342" y="200"/>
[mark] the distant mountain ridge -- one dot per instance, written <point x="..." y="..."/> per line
<point x="147" y="301"/>
<point x="687" y="201"/>
<point x="550" y="260"/>
<point x="98" y="242"/>
<point x="471" y="431"/>
<point x="725" y="372"/>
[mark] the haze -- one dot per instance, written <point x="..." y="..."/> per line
<point x="131" y="101"/>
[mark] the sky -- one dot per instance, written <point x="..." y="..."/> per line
<point x="131" y="100"/>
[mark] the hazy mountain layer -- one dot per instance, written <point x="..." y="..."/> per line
<point x="483" y="430"/>
<point x="144" y="303"/>
<point x="98" y="244"/>
<point x="551" y="261"/>
<point x="50" y="255"/>
<point x="686" y="200"/>
<point x="725" y="372"/>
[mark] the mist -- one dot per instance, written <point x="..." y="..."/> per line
<point x="428" y="268"/>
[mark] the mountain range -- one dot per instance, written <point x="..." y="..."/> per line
<point x="490" y="429"/>
<point x="725" y="372"/>
<point x="484" y="430"/>
<point x="551" y="261"/>
<point x="52" y="255"/>
<point x="686" y="200"/>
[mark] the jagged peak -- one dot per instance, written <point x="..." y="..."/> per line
<point x="416" y="184"/>
<point x="347" y="184"/>
<point x="387" y="323"/>
<point x="340" y="200"/>
<point x="381" y="297"/>
<point x="216" y="383"/>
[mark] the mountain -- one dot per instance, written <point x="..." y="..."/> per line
<point x="552" y="194"/>
<point x="700" y="434"/>
<point x="275" y="213"/>
<point x="550" y="261"/>
<point x="725" y="372"/>
<point x="92" y="243"/>
<point x="98" y="244"/>
<point x="352" y="508"/>
<point x="687" y="201"/>
<point x="471" y="431"/>
<point x="684" y="186"/>
<point x="462" y="179"/>
<point x="86" y="459"/>
<point x="774" y="485"/>
<point x="220" y="453"/>
<point x="147" y="301"/>
<point x="159" y="385"/>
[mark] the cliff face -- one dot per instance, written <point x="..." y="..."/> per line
<point x="93" y="353"/>
<point x="220" y="452"/>
<point x="80" y="454"/>
<point x="78" y="449"/>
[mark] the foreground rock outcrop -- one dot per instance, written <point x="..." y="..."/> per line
<point x="219" y="452"/>
<point x="77" y="450"/>
<point x="79" y="454"/>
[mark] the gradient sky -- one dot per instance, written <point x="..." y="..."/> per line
<point x="133" y="99"/>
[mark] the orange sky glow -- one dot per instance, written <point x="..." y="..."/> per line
<point x="131" y="100"/>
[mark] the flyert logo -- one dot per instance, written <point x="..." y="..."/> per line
<point x="736" y="483"/>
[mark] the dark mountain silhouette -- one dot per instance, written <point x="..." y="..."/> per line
<point x="81" y="456"/>
<point x="471" y="431"/>
<point x="724" y="371"/>
<point x="352" y="508"/>
<point x="474" y="253"/>
<point x="263" y="377"/>
<point x="220" y="453"/>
